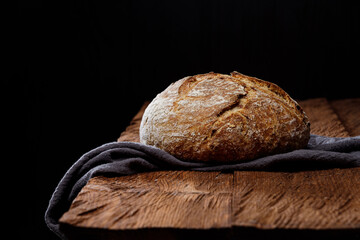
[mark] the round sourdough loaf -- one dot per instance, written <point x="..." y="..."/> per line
<point x="224" y="118"/>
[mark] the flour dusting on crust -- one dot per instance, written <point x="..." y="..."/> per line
<point x="217" y="117"/>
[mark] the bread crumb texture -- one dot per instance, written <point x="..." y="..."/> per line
<point x="224" y="118"/>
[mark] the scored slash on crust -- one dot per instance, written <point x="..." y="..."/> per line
<point x="217" y="117"/>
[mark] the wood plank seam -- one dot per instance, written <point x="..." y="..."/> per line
<point x="348" y="111"/>
<point x="338" y="117"/>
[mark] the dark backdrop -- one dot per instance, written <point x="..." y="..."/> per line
<point x="82" y="69"/>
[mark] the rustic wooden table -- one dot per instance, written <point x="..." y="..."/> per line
<point x="242" y="204"/>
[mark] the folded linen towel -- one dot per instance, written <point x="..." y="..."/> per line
<point x="125" y="158"/>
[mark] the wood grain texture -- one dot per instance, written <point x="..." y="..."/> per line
<point x="318" y="200"/>
<point x="158" y="199"/>
<point x="324" y="121"/>
<point x="301" y="200"/>
<point x="348" y="111"/>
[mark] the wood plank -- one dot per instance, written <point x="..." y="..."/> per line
<point x="327" y="199"/>
<point x="179" y="199"/>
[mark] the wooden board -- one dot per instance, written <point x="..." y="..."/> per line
<point x="183" y="200"/>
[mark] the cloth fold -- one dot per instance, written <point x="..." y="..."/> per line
<point x="125" y="158"/>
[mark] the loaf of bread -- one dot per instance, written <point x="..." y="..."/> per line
<point x="224" y="118"/>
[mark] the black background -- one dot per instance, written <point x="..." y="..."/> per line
<point x="81" y="70"/>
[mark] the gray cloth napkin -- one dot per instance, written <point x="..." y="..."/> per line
<point x="125" y="158"/>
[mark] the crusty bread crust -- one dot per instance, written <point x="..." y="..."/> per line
<point x="224" y="118"/>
